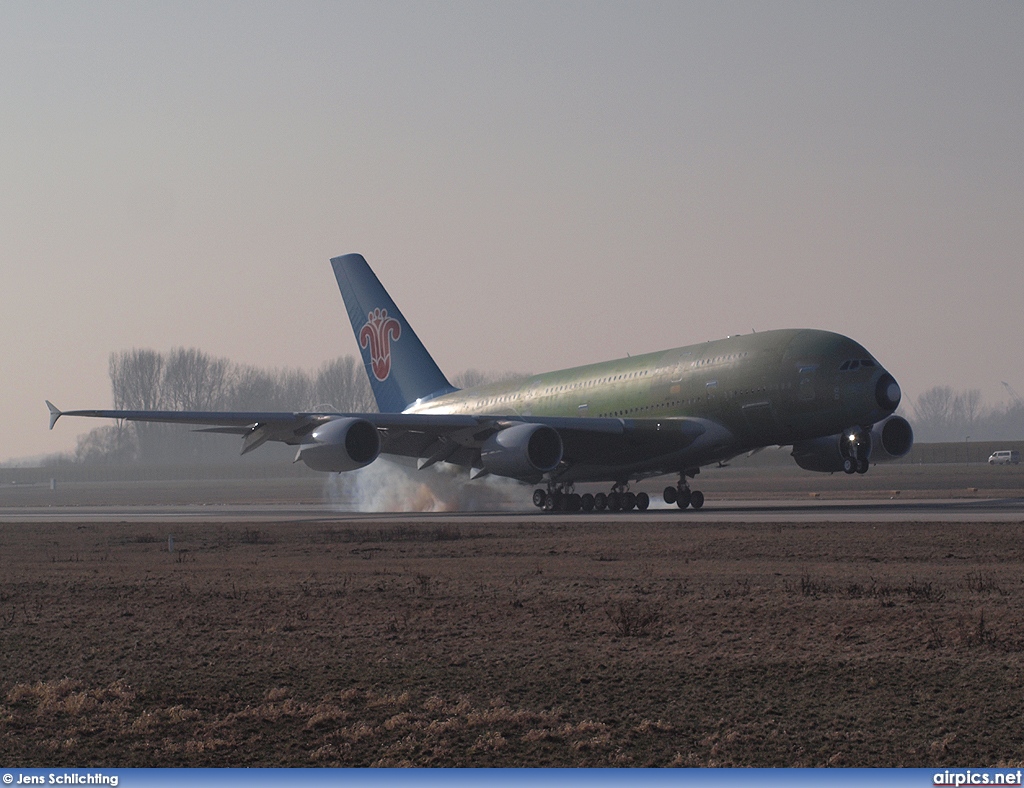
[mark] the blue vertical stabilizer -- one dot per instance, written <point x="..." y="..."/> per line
<point x="400" y="369"/>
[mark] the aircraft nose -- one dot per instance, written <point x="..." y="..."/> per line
<point x="887" y="393"/>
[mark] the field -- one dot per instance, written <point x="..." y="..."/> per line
<point x="547" y="642"/>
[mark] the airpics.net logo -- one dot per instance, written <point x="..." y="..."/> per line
<point x="974" y="777"/>
<point x="377" y="333"/>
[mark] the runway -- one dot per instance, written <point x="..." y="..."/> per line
<point x="788" y="511"/>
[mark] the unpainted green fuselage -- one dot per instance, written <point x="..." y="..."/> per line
<point x="775" y="387"/>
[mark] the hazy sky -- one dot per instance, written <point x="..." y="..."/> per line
<point x="539" y="185"/>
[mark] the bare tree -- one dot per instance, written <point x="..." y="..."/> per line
<point x="136" y="377"/>
<point x="342" y="385"/>
<point x="966" y="410"/>
<point x="253" y="388"/>
<point x="194" y="380"/>
<point x="933" y="413"/>
<point x="114" y="445"/>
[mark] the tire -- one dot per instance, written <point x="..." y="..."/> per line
<point x="574" y="502"/>
<point x="862" y="466"/>
<point x="587" y="502"/>
<point x="684" y="498"/>
<point x="600" y="502"/>
<point x="538" y="498"/>
<point x="849" y="466"/>
<point x="550" y="502"/>
<point x="614" y="502"/>
<point x="628" y="502"/>
<point x="696" y="499"/>
<point x="643" y="500"/>
<point x="669" y="495"/>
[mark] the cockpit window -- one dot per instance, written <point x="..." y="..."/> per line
<point x="854" y="364"/>
<point x="867" y="362"/>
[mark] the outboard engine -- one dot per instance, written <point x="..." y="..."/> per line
<point x="341" y="445"/>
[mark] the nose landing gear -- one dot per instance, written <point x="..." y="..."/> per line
<point x="856" y="449"/>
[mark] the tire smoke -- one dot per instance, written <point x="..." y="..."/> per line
<point x="388" y="486"/>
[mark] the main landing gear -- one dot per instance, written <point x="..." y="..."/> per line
<point x="561" y="498"/>
<point x="682" y="496"/>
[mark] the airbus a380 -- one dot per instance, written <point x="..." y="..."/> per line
<point x="622" y="421"/>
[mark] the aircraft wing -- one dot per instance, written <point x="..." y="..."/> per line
<point x="432" y="438"/>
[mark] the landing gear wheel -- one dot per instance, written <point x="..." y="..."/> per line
<point x="696" y="499"/>
<point x="614" y="502"/>
<point x="628" y="502"/>
<point x="683" y="497"/>
<point x="538" y="498"/>
<point x="600" y="502"/>
<point x="669" y="495"/>
<point x="862" y="466"/>
<point x="574" y="502"/>
<point x="587" y="502"/>
<point x="551" y="502"/>
<point x="849" y="465"/>
<point x="643" y="500"/>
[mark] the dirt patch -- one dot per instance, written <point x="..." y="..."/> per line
<point x="587" y="643"/>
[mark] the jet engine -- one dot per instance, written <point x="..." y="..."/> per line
<point x="891" y="439"/>
<point x="341" y="445"/>
<point x="525" y="451"/>
<point x="852" y="449"/>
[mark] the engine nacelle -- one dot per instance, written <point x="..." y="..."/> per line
<point x="891" y="439"/>
<point x="341" y="445"/>
<point x="887" y="440"/>
<point x="820" y="454"/>
<point x="525" y="451"/>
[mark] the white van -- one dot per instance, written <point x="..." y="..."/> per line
<point x="1004" y="458"/>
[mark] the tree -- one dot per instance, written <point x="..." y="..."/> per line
<point x="114" y="445"/>
<point x="194" y="380"/>
<point x="933" y="413"/>
<point x="136" y="377"/>
<point x="341" y="385"/>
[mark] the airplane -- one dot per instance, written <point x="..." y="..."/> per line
<point x="665" y="413"/>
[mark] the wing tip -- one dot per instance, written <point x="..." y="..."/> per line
<point x="55" y="413"/>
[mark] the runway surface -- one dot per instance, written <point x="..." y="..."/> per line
<point x="882" y="511"/>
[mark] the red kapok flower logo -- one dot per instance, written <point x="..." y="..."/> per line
<point x="377" y="333"/>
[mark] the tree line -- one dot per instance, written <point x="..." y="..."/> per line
<point x="190" y="379"/>
<point x="942" y="414"/>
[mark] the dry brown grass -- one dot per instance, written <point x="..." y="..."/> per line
<point x="652" y="642"/>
